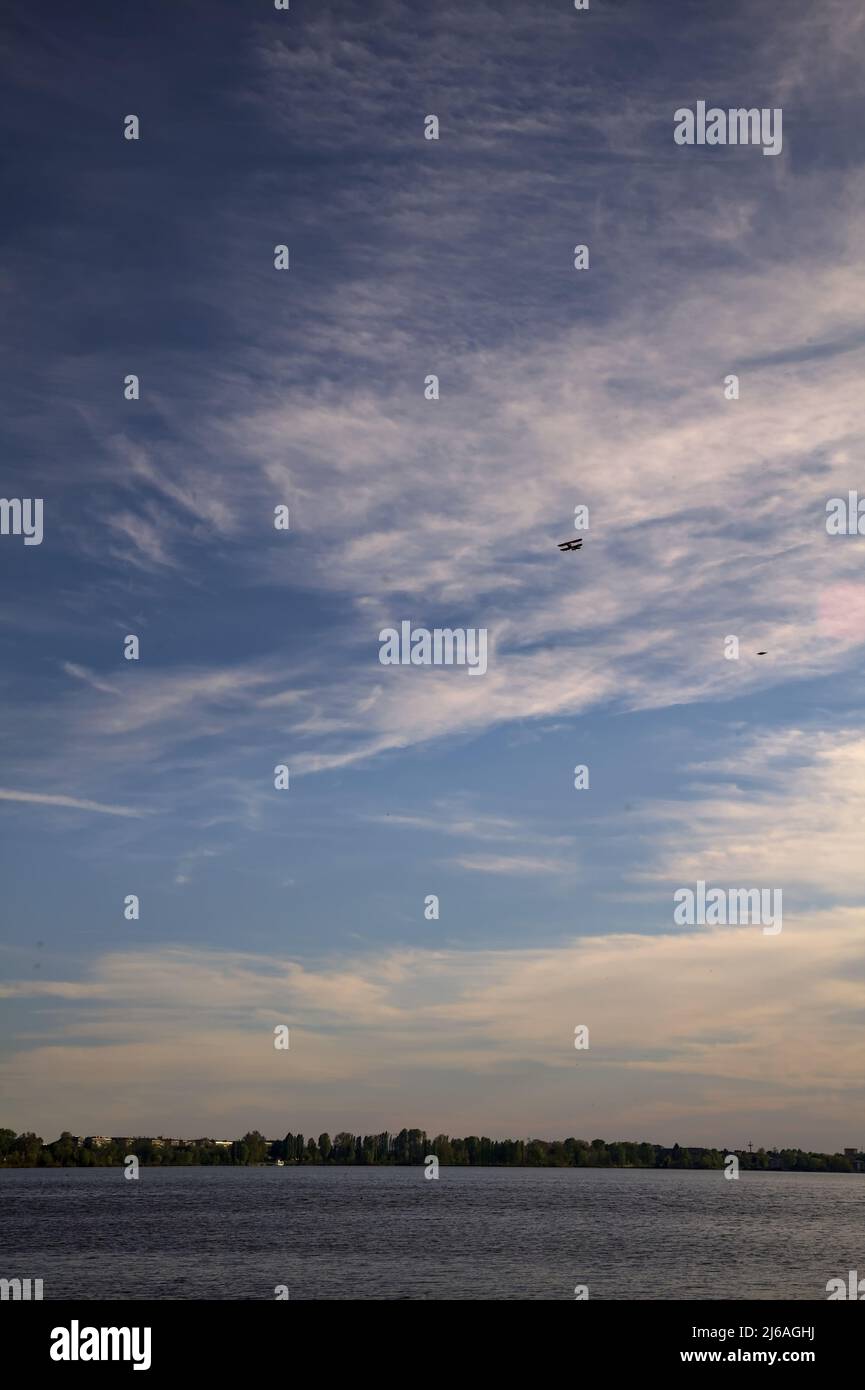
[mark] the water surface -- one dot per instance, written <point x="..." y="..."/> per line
<point x="391" y="1233"/>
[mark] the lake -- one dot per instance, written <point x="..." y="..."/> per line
<point x="391" y="1233"/>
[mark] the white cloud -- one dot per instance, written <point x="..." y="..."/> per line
<point x="707" y="515"/>
<point x="81" y="673"/>
<point x="516" y="864"/>
<point x="788" y="811"/>
<point x="73" y="802"/>
<point x="711" y="1030"/>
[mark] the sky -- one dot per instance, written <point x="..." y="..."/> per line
<point x="602" y="387"/>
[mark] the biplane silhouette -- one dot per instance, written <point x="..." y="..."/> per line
<point x="570" y="545"/>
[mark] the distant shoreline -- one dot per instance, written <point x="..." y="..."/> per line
<point x="471" y="1167"/>
<point x="408" y="1148"/>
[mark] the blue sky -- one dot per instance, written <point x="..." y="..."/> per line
<point x="602" y="387"/>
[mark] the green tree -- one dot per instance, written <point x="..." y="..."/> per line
<point x="343" y="1149"/>
<point x="418" y="1145"/>
<point x="256" y="1146"/>
<point x="536" y="1153"/>
<point x="27" y="1147"/>
<point x="441" y="1147"/>
<point x="7" y="1141"/>
<point x="473" y="1149"/>
<point x="64" y="1150"/>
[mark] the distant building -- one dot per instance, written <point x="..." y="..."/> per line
<point x="223" y="1143"/>
<point x="97" y="1141"/>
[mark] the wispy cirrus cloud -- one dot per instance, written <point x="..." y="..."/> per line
<point x="788" y="809"/>
<point x="454" y="258"/>
<point x="515" y="864"/>
<point x="74" y="803"/>
<point x="95" y="682"/>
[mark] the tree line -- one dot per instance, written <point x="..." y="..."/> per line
<point x="409" y="1146"/>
